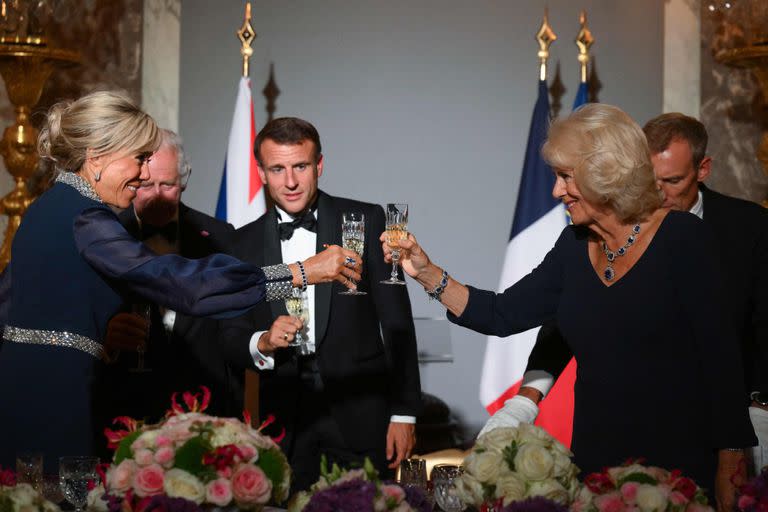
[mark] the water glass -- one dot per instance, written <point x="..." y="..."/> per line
<point x="413" y="472"/>
<point x="353" y="239"/>
<point x="29" y="469"/>
<point x="75" y="476"/>
<point x="444" y="483"/>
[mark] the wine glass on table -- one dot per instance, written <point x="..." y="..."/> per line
<point x="298" y="307"/>
<point x="353" y="239"/>
<point x="76" y="475"/>
<point x="397" y="229"/>
<point x="444" y="481"/>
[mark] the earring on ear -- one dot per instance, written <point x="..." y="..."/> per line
<point x="97" y="177"/>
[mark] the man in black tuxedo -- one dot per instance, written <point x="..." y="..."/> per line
<point x="678" y="146"/>
<point x="180" y="352"/>
<point x="354" y="390"/>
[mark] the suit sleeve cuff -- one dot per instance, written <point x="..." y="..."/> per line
<point x="402" y="419"/>
<point x="261" y="361"/>
<point x="539" y="380"/>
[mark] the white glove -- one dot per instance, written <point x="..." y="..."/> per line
<point x="516" y="410"/>
<point x="759" y="419"/>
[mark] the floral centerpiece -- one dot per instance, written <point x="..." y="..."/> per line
<point x="190" y="460"/>
<point x="512" y="464"/>
<point x="21" y="497"/>
<point x="357" y="490"/>
<point x="633" y="486"/>
<point x="753" y="496"/>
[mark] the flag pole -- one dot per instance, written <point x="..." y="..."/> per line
<point x="246" y="35"/>
<point x="584" y="41"/>
<point x="545" y="37"/>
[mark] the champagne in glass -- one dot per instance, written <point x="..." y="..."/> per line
<point x="297" y="307"/>
<point x="397" y="229"/>
<point x="75" y="475"/>
<point x="353" y="238"/>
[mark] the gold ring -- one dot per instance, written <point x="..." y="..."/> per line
<point x="285" y="336"/>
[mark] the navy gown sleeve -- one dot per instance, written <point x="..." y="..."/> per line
<point x="701" y="286"/>
<point x="218" y="285"/>
<point x="530" y="302"/>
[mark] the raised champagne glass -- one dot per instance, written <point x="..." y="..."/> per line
<point x="397" y="229"/>
<point x="353" y="238"/>
<point x="298" y="307"/>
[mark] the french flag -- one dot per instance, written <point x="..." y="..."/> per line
<point x="538" y="221"/>
<point x="241" y="194"/>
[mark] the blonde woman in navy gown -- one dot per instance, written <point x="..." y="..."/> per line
<point x="72" y="263"/>
<point x="635" y="291"/>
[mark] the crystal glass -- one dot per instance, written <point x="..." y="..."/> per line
<point x="75" y="475"/>
<point x="29" y="469"/>
<point x="444" y="482"/>
<point x="397" y="229"/>
<point x="353" y="238"/>
<point x="298" y="307"/>
<point x="413" y="472"/>
<point x="144" y="310"/>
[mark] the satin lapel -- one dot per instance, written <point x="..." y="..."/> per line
<point x="272" y="254"/>
<point x="328" y="232"/>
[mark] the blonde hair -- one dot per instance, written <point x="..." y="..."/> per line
<point x="610" y="159"/>
<point x="97" y="124"/>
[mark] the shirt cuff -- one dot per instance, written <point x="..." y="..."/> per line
<point x="539" y="380"/>
<point x="261" y="361"/>
<point x="402" y="419"/>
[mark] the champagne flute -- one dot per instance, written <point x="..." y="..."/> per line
<point x="75" y="475"/>
<point x="397" y="229"/>
<point x="297" y="307"/>
<point x="144" y="310"/>
<point x="353" y="238"/>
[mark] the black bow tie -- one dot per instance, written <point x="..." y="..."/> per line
<point x="170" y="231"/>
<point x="306" y="221"/>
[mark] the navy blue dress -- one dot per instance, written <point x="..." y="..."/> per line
<point x="659" y="374"/>
<point x="72" y="263"/>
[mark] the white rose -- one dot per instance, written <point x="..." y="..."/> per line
<point x="550" y="489"/>
<point x="534" y="462"/>
<point x="650" y="498"/>
<point x="563" y="466"/>
<point x="180" y="484"/>
<point x="484" y="466"/>
<point x="23" y="494"/>
<point x="510" y="487"/>
<point x="532" y="434"/>
<point x="469" y="490"/>
<point x="95" y="503"/>
<point x="498" y="439"/>
<point x="148" y="438"/>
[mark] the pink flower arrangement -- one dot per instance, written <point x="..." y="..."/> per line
<point x="194" y="457"/>
<point x="753" y="496"/>
<point x="633" y="487"/>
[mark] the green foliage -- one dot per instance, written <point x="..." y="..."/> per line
<point x="6" y="504"/>
<point x="489" y="491"/>
<point x="509" y="453"/>
<point x="124" y="448"/>
<point x="640" y="478"/>
<point x="190" y="458"/>
<point x="272" y="462"/>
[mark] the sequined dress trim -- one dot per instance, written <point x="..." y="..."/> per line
<point x="54" y="338"/>
<point x="75" y="181"/>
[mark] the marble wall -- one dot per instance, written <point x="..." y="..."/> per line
<point x="730" y="107"/>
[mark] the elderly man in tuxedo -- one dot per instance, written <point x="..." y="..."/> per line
<point x="354" y="390"/>
<point x="678" y="145"/>
<point x="179" y="352"/>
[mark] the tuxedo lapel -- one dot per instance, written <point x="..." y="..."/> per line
<point x="272" y="253"/>
<point x="328" y="232"/>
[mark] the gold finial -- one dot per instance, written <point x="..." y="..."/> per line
<point x="545" y="36"/>
<point x="246" y="35"/>
<point x="584" y="40"/>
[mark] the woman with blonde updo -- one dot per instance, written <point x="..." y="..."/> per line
<point x="72" y="264"/>
<point x="635" y="291"/>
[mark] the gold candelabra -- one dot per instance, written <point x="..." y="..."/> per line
<point x="26" y="62"/>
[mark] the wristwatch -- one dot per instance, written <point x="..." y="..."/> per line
<point x="759" y="397"/>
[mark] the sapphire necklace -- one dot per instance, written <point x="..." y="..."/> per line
<point x="609" y="273"/>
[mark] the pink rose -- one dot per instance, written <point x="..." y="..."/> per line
<point x="149" y="480"/>
<point x="393" y="494"/>
<point x="164" y="456"/>
<point x="162" y="440"/>
<point x="225" y="472"/>
<point x="677" y="498"/>
<point x="247" y="451"/>
<point x="120" y="477"/>
<point x="218" y="492"/>
<point x="745" y="501"/>
<point x="610" y="502"/>
<point x="629" y="492"/>
<point x="144" y="457"/>
<point x="250" y="485"/>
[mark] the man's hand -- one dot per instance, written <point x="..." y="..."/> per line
<point x="401" y="438"/>
<point x="126" y="331"/>
<point x="280" y="334"/>
<point x="731" y="473"/>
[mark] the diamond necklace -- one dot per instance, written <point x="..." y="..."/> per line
<point x="609" y="273"/>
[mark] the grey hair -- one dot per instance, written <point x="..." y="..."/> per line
<point x="171" y="139"/>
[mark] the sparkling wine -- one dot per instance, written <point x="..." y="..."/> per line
<point x="294" y="305"/>
<point x="354" y="244"/>
<point x="395" y="233"/>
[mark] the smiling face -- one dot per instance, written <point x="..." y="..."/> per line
<point x="120" y="177"/>
<point x="290" y="173"/>
<point x="157" y="200"/>
<point x="582" y="212"/>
